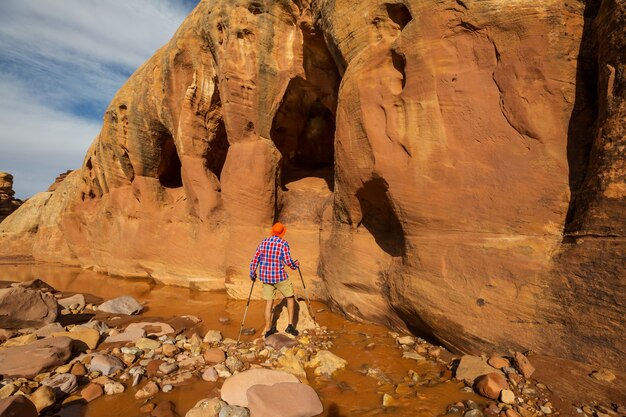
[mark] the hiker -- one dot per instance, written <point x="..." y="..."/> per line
<point x="271" y="257"/>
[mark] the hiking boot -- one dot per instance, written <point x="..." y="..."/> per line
<point x="292" y="330"/>
<point x="271" y="331"/>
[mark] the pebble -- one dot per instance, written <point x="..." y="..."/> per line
<point x="213" y="336"/>
<point x="148" y="390"/>
<point x="413" y="355"/>
<point x="473" y="413"/>
<point x="388" y="400"/>
<point x="224" y="320"/>
<point x="167" y="388"/>
<point x="167" y="368"/>
<point x="546" y="410"/>
<point x="603" y="375"/>
<point x="147" y="408"/>
<point x="507" y="396"/>
<point x="210" y="375"/>
<point x="113" y="388"/>
<point x="249" y="331"/>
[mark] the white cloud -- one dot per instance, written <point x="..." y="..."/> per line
<point x="61" y="62"/>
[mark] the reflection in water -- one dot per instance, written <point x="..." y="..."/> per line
<point x="349" y="393"/>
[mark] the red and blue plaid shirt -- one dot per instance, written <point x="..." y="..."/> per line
<point x="271" y="257"/>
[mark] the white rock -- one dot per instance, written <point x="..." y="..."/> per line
<point x="213" y="336"/>
<point x="112" y="388"/>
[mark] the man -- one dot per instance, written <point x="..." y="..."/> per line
<point x="271" y="257"/>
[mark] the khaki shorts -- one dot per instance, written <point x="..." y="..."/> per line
<point x="285" y="288"/>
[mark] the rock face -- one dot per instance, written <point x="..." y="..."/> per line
<point x="448" y="167"/>
<point x="8" y="204"/>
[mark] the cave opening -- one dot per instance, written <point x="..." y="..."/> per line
<point x="169" y="170"/>
<point x="303" y="130"/>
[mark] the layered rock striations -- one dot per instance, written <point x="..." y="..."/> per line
<point x="8" y="203"/>
<point x="451" y="167"/>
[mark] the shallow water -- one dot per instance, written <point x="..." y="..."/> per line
<point x="349" y="393"/>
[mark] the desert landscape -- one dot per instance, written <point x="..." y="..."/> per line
<point x="452" y="178"/>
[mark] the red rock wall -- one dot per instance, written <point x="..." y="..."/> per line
<point x="464" y="196"/>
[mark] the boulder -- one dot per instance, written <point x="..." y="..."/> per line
<point x="18" y="406"/>
<point x="62" y="384"/>
<point x="471" y="367"/>
<point x="235" y="387"/>
<point x="36" y="357"/>
<point x="284" y="399"/>
<point x="121" y="305"/>
<point x="279" y="341"/>
<point x="326" y="363"/>
<point x="22" y="307"/>
<point x="105" y="364"/>
<point x="490" y="385"/>
<point x="302" y="317"/>
<point x="523" y="364"/>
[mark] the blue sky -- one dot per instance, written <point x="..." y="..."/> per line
<point x="61" y="63"/>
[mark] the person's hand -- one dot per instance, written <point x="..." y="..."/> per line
<point x="253" y="277"/>
<point x="297" y="262"/>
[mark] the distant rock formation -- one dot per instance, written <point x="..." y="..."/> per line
<point x="8" y="204"/>
<point x="451" y="167"/>
<point x="58" y="180"/>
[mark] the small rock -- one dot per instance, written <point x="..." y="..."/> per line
<point x="248" y="331"/>
<point x="48" y="329"/>
<point x="406" y="340"/>
<point x="43" y="398"/>
<point x="169" y="350"/>
<point x="214" y="355"/>
<point x="193" y="362"/>
<point x="210" y="374"/>
<point x="212" y="336"/>
<point x="523" y="365"/>
<point x="233" y="364"/>
<point x="222" y="371"/>
<point x="507" y="396"/>
<point x="498" y="362"/>
<point x="62" y="384"/>
<point x="546" y="410"/>
<point x="147" y="408"/>
<point x="164" y="409"/>
<point x="206" y="408"/>
<point x="413" y="355"/>
<point x="105" y="364"/>
<point x="75" y="302"/>
<point x="603" y="375"/>
<point x="92" y="391"/>
<point x="152" y="368"/>
<point x="147" y="344"/>
<point x="7" y="391"/>
<point x="224" y="320"/>
<point x="17" y="406"/>
<point x="112" y="388"/>
<point x="78" y="369"/>
<point x="167" y="388"/>
<point x="153" y="328"/>
<point x="149" y="390"/>
<point x="326" y="363"/>
<point x="167" y="368"/>
<point x="473" y="413"/>
<point x="121" y="305"/>
<point x="490" y="385"/>
<point x="20" y="340"/>
<point x="388" y="400"/>
<point x="511" y="413"/>
<point x="179" y="378"/>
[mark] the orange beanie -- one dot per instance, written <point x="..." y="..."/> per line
<point x="279" y="230"/>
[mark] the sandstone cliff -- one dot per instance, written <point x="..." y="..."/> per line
<point x="474" y="191"/>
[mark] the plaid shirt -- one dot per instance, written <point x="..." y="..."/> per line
<point x="271" y="257"/>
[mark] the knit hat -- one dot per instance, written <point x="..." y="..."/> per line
<point x="279" y="230"/>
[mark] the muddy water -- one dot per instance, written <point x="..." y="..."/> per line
<point x="349" y="393"/>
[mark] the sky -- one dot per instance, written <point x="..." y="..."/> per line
<point x="61" y="63"/>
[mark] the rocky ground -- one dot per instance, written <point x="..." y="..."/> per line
<point x="59" y="349"/>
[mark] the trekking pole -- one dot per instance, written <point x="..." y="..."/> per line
<point x="306" y="295"/>
<point x="245" y="312"/>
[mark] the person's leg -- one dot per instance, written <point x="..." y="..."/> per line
<point x="290" y="308"/>
<point x="268" y="294"/>
<point x="269" y="304"/>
